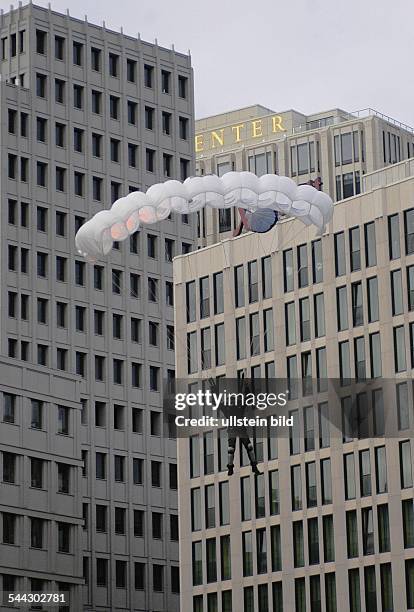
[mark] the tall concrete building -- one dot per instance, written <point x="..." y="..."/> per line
<point x="328" y="526"/>
<point x="87" y="115"/>
<point x="337" y="146"/>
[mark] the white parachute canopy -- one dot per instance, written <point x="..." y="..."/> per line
<point x="242" y="189"/>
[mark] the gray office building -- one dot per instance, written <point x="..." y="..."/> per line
<point x="87" y="115"/>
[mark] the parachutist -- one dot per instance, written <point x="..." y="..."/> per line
<point x="250" y="451"/>
<point x="259" y="200"/>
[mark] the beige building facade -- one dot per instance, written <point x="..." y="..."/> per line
<point x="337" y="146"/>
<point x="328" y="526"/>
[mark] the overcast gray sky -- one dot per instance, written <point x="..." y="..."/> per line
<point x="310" y="55"/>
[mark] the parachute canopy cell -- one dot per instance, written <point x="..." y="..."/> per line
<point x="242" y="189"/>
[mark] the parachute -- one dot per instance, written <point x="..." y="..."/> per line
<point x="262" y="198"/>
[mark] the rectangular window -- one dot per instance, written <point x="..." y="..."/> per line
<point x="383" y="528"/>
<point x="113" y="64"/>
<point x="77" y="53"/>
<point x="370" y="244"/>
<point x="191" y="301"/>
<point x="328" y="539"/>
<point x="352" y="534"/>
<point x="211" y="560"/>
<point x="406" y="465"/>
<point x="319" y="315"/>
<point x="400" y="361"/>
<point x="220" y="347"/>
<point x="245" y="498"/>
<point x="96" y="59"/>
<point x="182" y="86"/>
<point x="204" y="297"/>
<point x="311" y="489"/>
<point x="300" y="595"/>
<point x="253" y="281"/>
<point x="208" y="453"/>
<point x="373" y="304"/>
<point x="357" y="305"/>
<point x="409" y="231"/>
<point x="367" y="531"/>
<point x="296" y="487"/>
<point x="313" y="541"/>
<point x="359" y="354"/>
<point x="340" y="259"/>
<point x="317" y="261"/>
<point x="365" y="473"/>
<point x="394" y="236"/>
<point x="375" y="355"/>
<point x="290" y="323"/>
<point x="304" y="310"/>
<point x="303" y="277"/>
<point x="218" y="293"/>
<point x="132" y="116"/>
<point x="326" y="481"/>
<point x="342" y="308"/>
<point x="225" y="554"/>
<point x="254" y="334"/>
<point x="268" y="329"/>
<point x="355" y="249"/>
<point x="261" y="551"/>
<point x="239" y="285"/>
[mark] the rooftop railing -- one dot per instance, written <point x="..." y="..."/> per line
<point x="343" y="118"/>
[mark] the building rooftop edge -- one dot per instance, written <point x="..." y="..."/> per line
<point x="364" y="113"/>
<point x="93" y="25"/>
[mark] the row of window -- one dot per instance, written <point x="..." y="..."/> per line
<point x="101" y="574"/>
<point x="141" y="579"/>
<point x="114" y="63"/>
<point x="12" y="531"/>
<point x="363" y="417"/>
<point x="398" y="299"/>
<point x="352" y="249"/>
<point x="118" y="320"/>
<point x="20" y="215"/>
<point x="63" y="362"/>
<point x="79" y="178"/>
<point x="356" y="424"/>
<point x="16" y="40"/>
<point x="366" y="360"/>
<point x="80" y="276"/>
<point x="258" y="563"/>
<point x="256" y="346"/>
<point x="318" y="488"/>
<point x="122" y="419"/>
<point x="39" y="471"/>
<point x="11" y="473"/>
<point x="37" y="414"/>
<point x="120" y="522"/>
<point x="251" y="604"/>
<point x="78" y="139"/>
<point x="14" y="407"/>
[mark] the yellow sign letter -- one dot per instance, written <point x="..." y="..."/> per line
<point x="236" y="129"/>
<point x="219" y="136"/>
<point x="257" y="128"/>
<point x="277" y="124"/>
<point x="199" y="143"/>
